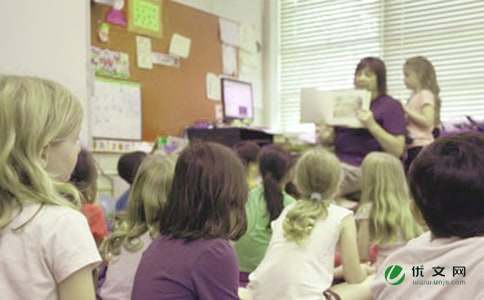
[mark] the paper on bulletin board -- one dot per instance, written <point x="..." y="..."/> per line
<point x="229" y="60"/>
<point x="180" y="46"/>
<point x="116" y="109"/>
<point x="110" y="63"/>
<point x="248" y="38"/>
<point x="165" y="59"/>
<point x="145" y="17"/>
<point x="143" y="52"/>
<point x="229" y="32"/>
<point x="213" y="87"/>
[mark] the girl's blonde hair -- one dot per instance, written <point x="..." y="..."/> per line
<point x="428" y="80"/>
<point x="385" y="186"/>
<point x="317" y="176"/>
<point x="34" y="112"/>
<point x="150" y="190"/>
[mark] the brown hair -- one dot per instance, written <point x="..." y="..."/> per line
<point x="377" y="66"/>
<point x="247" y="151"/>
<point x="428" y="80"/>
<point x="84" y="176"/>
<point x="208" y="195"/>
<point x="274" y="164"/>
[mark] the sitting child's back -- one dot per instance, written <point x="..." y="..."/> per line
<point x="447" y="183"/>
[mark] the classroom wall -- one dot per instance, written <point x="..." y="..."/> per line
<point x="248" y="12"/>
<point x="48" y="39"/>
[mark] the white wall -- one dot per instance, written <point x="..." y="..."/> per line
<point x="48" y="39"/>
<point x="249" y="12"/>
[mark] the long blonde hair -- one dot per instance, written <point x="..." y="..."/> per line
<point x="150" y="190"/>
<point x="384" y="185"/>
<point x="317" y="176"/>
<point x="34" y="112"/>
<point x="428" y="80"/>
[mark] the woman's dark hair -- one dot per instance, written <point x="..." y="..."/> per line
<point x="377" y="66"/>
<point x="208" y="195"/>
<point x="274" y="163"/>
<point x="128" y="165"/>
<point x="447" y="182"/>
<point x="247" y="151"/>
<point x="84" y="176"/>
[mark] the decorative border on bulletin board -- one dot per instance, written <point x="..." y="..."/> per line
<point x="146" y="17"/>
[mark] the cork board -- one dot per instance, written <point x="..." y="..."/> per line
<point x="172" y="98"/>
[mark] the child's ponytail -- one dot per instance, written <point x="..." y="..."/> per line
<point x="318" y="174"/>
<point x="274" y="164"/>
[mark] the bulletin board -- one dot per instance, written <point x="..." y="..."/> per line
<point x="172" y="98"/>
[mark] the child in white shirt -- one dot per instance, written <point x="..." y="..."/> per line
<point x="47" y="250"/>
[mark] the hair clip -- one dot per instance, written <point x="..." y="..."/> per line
<point x="316" y="196"/>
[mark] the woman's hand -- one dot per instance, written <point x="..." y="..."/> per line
<point x="366" y="118"/>
<point x="325" y="133"/>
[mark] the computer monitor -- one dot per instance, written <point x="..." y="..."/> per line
<point x="237" y="100"/>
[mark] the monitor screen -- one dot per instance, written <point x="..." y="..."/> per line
<point x="237" y="100"/>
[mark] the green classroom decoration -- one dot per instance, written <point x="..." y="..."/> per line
<point x="144" y="17"/>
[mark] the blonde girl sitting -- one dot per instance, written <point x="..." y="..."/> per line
<point x="123" y="249"/>
<point x="47" y="250"/>
<point x="299" y="262"/>
<point x="384" y="216"/>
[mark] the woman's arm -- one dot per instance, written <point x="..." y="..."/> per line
<point x="426" y="119"/>
<point x="78" y="286"/>
<point x="352" y="270"/>
<point x="393" y="144"/>
<point x="326" y="134"/>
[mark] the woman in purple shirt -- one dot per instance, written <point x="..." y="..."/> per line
<point x="384" y="125"/>
<point x="192" y="258"/>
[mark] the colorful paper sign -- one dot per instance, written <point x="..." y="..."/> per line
<point x="145" y="17"/>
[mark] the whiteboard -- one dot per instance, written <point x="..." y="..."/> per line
<point x="116" y="109"/>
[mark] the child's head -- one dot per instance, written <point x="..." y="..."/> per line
<point x="40" y="122"/>
<point x="208" y="195"/>
<point x="147" y="198"/>
<point x="383" y="183"/>
<point x="383" y="174"/>
<point x="370" y="74"/>
<point x="84" y="176"/>
<point x="274" y="165"/>
<point x="150" y="190"/>
<point x="318" y="172"/>
<point x="447" y="182"/>
<point x="128" y="165"/>
<point x="247" y="151"/>
<point x="318" y="175"/>
<point x="419" y="74"/>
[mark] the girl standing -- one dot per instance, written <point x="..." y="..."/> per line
<point x="423" y="108"/>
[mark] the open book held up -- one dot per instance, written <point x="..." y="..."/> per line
<point x="337" y="107"/>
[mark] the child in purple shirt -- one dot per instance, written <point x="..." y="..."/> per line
<point x="192" y="258"/>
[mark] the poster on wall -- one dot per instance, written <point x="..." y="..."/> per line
<point x="110" y="63"/>
<point x="116" y="109"/>
<point x="145" y="17"/>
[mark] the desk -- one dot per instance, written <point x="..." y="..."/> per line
<point x="229" y="136"/>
